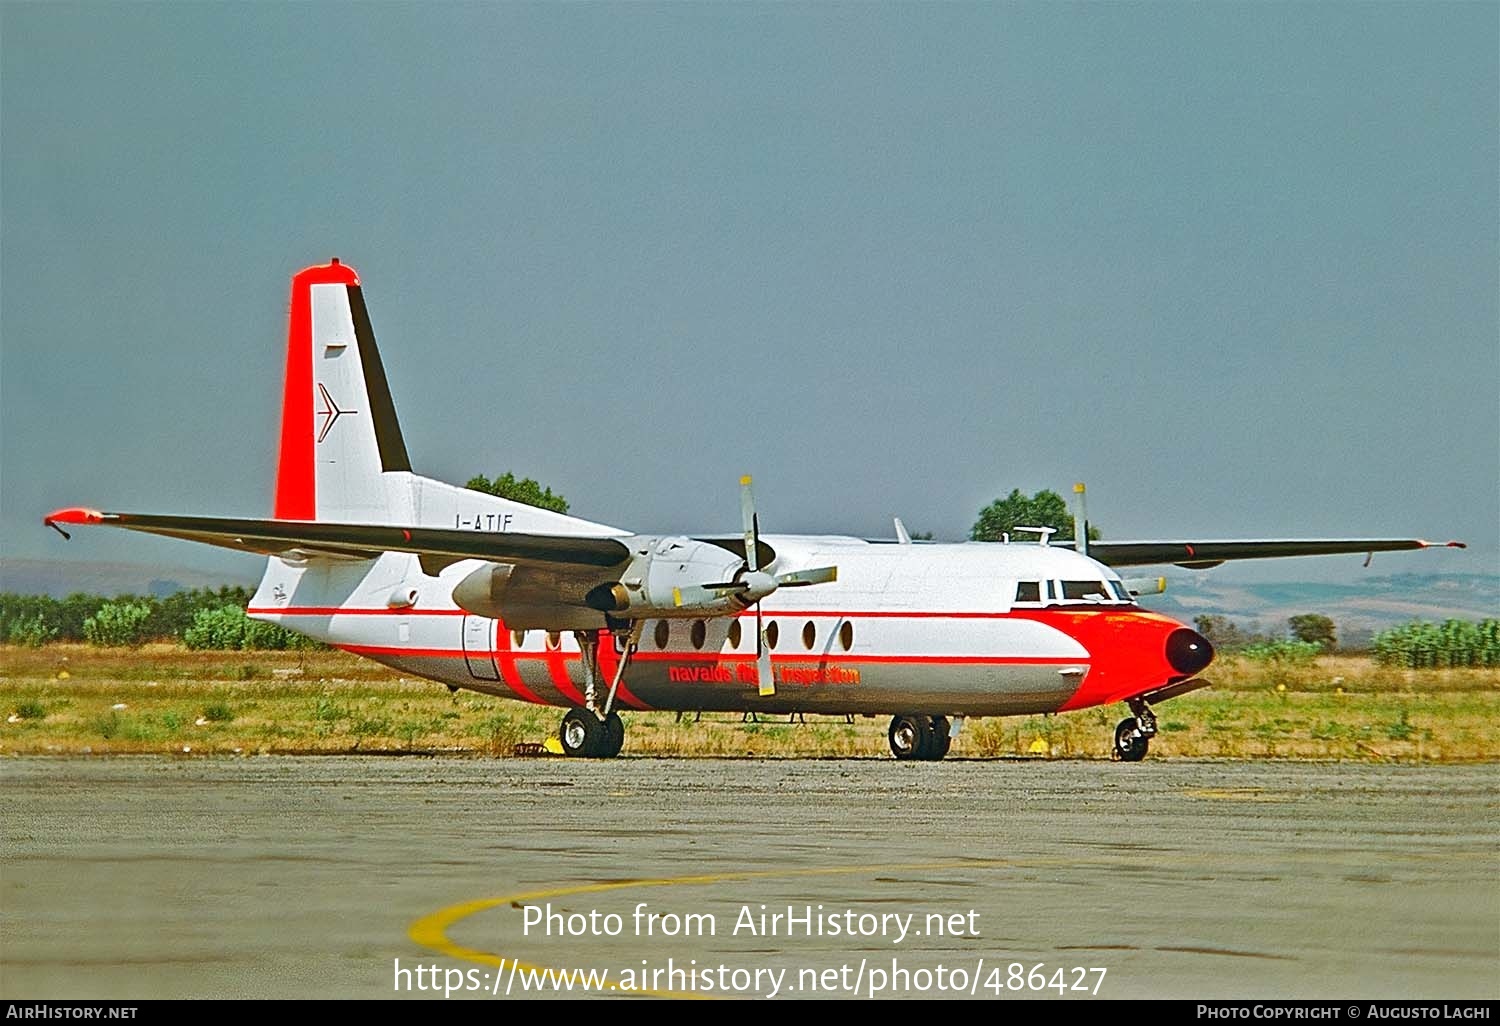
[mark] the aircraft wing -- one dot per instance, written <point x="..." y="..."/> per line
<point x="1200" y="555"/>
<point x="305" y="538"/>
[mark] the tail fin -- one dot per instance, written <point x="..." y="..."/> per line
<point x="342" y="455"/>
<point x="339" y="433"/>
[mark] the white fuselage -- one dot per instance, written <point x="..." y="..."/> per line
<point x="918" y="628"/>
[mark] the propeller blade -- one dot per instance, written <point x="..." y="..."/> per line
<point x="763" y="658"/>
<point x="751" y="524"/>
<point x="802" y="578"/>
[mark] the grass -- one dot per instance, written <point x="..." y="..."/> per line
<point x="162" y="699"/>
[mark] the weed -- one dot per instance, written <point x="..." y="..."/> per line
<point x="1402" y="729"/>
<point x="31" y="710"/>
<point x="326" y="710"/>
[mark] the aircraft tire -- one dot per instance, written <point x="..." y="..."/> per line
<point x="910" y="736"/>
<point x="613" y="737"/>
<point x="1129" y="745"/>
<point x="582" y="734"/>
<point x="940" y="742"/>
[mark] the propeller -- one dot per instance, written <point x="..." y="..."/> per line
<point x="753" y="584"/>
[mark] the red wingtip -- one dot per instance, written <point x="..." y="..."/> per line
<point x="73" y="515"/>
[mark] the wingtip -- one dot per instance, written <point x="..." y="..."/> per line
<point x="73" y="515"/>
<point x="1445" y="545"/>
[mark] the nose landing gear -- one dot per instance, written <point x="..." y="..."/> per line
<point x="1133" y="735"/>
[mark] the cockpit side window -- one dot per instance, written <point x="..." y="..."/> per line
<point x="1110" y="593"/>
<point x="1028" y="591"/>
<point x="1085" y="591"/>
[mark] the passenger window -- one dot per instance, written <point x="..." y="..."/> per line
<point x="846" y="636"/>
<point x="809" y="635"/>
<point x="699" y="633"/>
<point x="662" y="633"/>
<point x="518" y="639"/>
<point x="734" y="634"/>
<point x="773" y="633"/>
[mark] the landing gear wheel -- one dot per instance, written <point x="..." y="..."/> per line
<point x="941" y="741"/>
<point x="582" y="734"/>
<point x="1130" y="743"/>
<point x="910" y="736"/>
<point x="613" y="737"/>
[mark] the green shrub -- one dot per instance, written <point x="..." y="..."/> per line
<point x="117" y="624"/>
<point x="228" y="628"/>
<point x="33" y="631"/>
<point x="1283" y="653"/>
<point x="1453" y="643"/>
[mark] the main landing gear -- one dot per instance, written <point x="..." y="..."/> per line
<point x="584" y="734"/>
<point x="919" y="737"/>
<point x="596" y="731"/>
<point x="1133" y="735"/>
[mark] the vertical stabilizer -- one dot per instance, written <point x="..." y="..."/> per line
<point x="339" y="433"/>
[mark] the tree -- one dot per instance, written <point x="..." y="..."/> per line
<point x="525" y="490"/>
<point x="1315" y="629"/>
<point x="1044" y="509"/>
<point x="1222" y="633"/>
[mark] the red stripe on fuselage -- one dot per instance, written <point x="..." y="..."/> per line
<point x="349" y="611"/>
<point x="557" y="666"/>
<point x="609" y="660"/>
<point x="1125" y="648"/>
<point x="505" y="659"/>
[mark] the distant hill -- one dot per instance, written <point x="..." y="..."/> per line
<point x="60" y="579"/>
<point x="1357" y="609"/>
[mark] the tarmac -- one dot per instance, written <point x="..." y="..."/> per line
<point x="326" y="877"/>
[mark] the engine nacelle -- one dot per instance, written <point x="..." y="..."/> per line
<point x="667" y="580"/>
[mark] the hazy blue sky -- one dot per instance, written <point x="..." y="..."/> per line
<point x="1234" y="265"/>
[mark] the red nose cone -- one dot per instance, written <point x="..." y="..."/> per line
<point x="1188" y="651"/>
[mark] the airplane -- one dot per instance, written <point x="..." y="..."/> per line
<point x="490" y="595"/>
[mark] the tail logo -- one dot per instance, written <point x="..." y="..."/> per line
<point x="330" y="412"/>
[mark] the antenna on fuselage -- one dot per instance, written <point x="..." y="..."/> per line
<point x="1045" y="533"/>
<point x="1081" y="520"/>
<point x="903" y="536"/>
